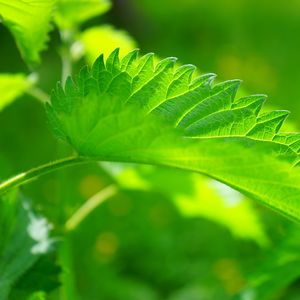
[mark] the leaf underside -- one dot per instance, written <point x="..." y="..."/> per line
<point x="135" y="110"/>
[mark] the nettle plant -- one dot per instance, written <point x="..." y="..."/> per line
<point x="134" y="109"/>
<point x="139" y="112"/>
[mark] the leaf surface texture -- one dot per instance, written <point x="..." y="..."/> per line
<point x="136" y="110"/>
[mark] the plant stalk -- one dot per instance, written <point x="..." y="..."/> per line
<point x="34" y="173"/>
<point x="66" y="59"/>
<point x="89" y="206"/>
<point x="38" y="94"/>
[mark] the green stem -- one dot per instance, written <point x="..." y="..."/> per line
<point x="38" y="94"/>
<point x="66" y="66"/>
<point x="66" y="59"/>
<point x="67" y="276"/>
<point x="89" y="206"/>
<point x="32" y="174"/>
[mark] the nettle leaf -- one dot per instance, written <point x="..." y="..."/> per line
<point x="70" y="13"/>
<point x="134" y="110"/>
<point x="28" y="21"/>
<point x="12" y="86"/>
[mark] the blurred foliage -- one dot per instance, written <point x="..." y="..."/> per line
<point x="91" y="40"/>
<point x="24" y="240"/>
<point x="196" y="195"/>
<point x="28" y="21"/>
<point x="279" y="268"/>
<point x="11" y="87"/>
<point x="165" y="235"/>
<point x="70" y="13"/>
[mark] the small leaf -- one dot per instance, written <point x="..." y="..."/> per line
<point x="103" y="39"/>
<point x="28" y="21"/>
<point x="71" y="13"/>
<point x="12" y="86"/>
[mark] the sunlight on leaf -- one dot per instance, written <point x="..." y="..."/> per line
<point x="71" y="13"/>
<point x="196" y="195"/>
<point x="28" y="21"/>
<point x="224" y="206"/>
<point x="12" y="86"/>
<point x="137" y="111"/>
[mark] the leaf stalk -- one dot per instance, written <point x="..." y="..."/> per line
<point x="89" y="206"/>
<point x="34" y="173"/>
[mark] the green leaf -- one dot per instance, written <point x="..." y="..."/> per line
<point x="28" y="21"/>
<point x="40" y="279"/>
<point x="12" y="86"/>
<point x="24" y="238"/>
<point x="135" y="111"/>
<point x="102" y="39"/>
<point x="196" y="195"/>
<point x="279" y="269"/>
<point x="71" y="13"/>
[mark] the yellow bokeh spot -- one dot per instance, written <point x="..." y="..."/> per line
<point x="228" y="272"/>
<point x="107" y="244"/>
<point x="90" y="185"/>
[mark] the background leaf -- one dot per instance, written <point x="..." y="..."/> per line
<point x="196" y="195"/>
<point x="103" y="39"/>
<point x="28" y="21"/>
<point x="11" y="87"/>
<point x="278" y="270"/>
<point x="71" y="13"/>
<point x="26" y="238"/>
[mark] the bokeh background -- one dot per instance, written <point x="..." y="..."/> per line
<point x="168" y="234"/>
